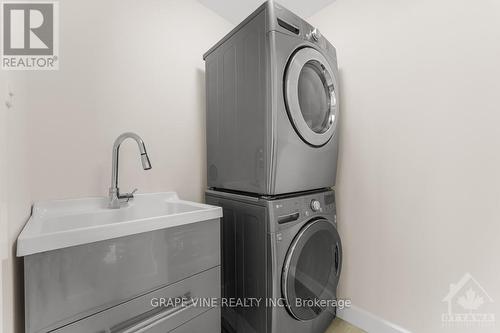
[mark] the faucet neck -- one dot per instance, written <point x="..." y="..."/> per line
<point x="114" y="192"/>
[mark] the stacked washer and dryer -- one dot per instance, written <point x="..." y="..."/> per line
<point x="272" y="140"/>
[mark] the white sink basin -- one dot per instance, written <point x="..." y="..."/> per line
<point x="63" y="223"/>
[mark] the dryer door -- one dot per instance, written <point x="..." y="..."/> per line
<point x="312" y="269"/>
<point x="311" y="96"/>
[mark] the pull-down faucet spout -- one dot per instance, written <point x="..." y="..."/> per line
<point x="115" y="198"/>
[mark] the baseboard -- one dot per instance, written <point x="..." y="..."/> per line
<point x="369" y="322"/>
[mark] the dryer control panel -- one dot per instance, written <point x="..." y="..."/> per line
<point x="284" y="21"/>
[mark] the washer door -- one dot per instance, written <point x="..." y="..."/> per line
<point x="312" y="269"/>
<point x="311" y="96"/>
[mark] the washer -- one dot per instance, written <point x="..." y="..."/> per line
<point x="282" y="251"/>
<point x="272" y="106"/>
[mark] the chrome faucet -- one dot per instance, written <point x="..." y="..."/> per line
<point x="115" y="198"/>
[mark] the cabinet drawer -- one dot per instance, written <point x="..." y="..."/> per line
<point x="140" y="314"/>
<point x="71" y="284"/>
<point x="208" y="322"/>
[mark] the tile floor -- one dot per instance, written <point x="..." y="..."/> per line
<point x="340" y="326"/>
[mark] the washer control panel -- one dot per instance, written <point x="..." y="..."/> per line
<point x="296" y="209"/>
<point x="315" y="205"/>
<point x="330" y="201"/>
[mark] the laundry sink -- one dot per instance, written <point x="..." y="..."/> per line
<point x="64" y="223"/>
<point x="86" y="266"/>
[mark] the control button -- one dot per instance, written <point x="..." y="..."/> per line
<point x="315" y="34"/>
<point x="315" y="205"/>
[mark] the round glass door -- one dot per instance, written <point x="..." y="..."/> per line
<point x="312" y="270"/>
<point x="311" y="96"/>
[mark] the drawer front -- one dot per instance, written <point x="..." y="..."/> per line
<point x="70" y="284"/>
<point x="208" y="322"/>
<point x="142" y="314"/>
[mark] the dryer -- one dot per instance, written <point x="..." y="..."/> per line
<point x="272" y="95"/>
<point x="284" y="251"/>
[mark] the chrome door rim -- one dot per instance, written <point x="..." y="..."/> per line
<point x="297" y="62"/>
<point x="290" y="255"/>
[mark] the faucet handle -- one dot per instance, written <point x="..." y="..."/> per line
<point x="130" y="195"/>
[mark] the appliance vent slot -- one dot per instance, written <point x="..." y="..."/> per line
<point x="288" y="26"/>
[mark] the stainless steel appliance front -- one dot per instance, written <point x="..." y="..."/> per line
<point x="279" y="251"/>
<point x="272" y="106"/>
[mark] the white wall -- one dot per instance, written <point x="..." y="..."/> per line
<point x="14" y="194"/>
<point x="3" y="200"/>
<point x="419" y="177"/>
<point x="124" y="66"/>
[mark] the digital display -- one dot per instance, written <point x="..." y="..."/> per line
<point x="329" y="199"/>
